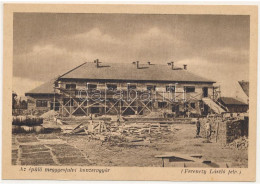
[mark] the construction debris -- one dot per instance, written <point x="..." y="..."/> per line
<point x="49" y="115"/>
<point x="240" y="144"/>
<point x="116" y="132"/>
<point x="135" y="130"/>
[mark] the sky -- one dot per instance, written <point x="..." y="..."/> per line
<point x="49" y="44"/>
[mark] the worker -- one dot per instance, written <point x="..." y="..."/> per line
<point x="164" y="115"/>
<point x="208" y="129"/>
<point x="188" y="113"/>
<point x="198" y="127"/>
<point x="90" y="126"/>
<point x="118" y="119"/>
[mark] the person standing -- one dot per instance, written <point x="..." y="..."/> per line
<point x="198" y="127"/>
<point x="208" y="129"/>
<point x="188" y="113"/>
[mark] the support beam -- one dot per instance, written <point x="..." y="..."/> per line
<point x="79" y="106"/>
<point x="145" y="106"/>
<point x="112" y="106"/>
<point x="129" y="105"/>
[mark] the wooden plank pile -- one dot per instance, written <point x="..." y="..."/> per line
<point x="134" y="133"/>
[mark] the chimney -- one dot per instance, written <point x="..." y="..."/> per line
<point x="97" y="62"/>
<point x="185" y="67"/>
<point x="137" y="64"/>
<point x="172" y="63"/>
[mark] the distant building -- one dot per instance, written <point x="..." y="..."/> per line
<point x="41" y="98"/>
<point x="233" y="105"/>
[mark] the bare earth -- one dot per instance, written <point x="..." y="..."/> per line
<point x="59" y="149"/>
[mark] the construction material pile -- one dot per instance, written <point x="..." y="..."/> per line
<point x="240" y="144"/>
<point x="27" y="124"/>
<point x="137" y="134"/>
<point x="49" y="115"/>
<point x="229" y="132"/>
<point x="27" y="120"/>
<point x="235" y="129"/>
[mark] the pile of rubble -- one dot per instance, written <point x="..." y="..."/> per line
<point x="240" y="144"/>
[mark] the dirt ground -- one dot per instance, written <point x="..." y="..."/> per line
<point x="59" y="149"/>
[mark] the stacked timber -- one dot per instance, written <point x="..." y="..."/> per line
<point x="126" y="133"/>
<point x="230" y="130"/>
<point x="27" y="124"/>
<point x="27" y="121"/>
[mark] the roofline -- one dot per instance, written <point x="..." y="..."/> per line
<point x="240" y="102"/>
<point x="129" y="80"/>
<point x="71" y="70"/>
<point x="236" y="104"/>
<point x="61" y="77"/>
<point x="28" y="94"/>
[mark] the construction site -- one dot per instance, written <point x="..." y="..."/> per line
<point x="131" y="114"/>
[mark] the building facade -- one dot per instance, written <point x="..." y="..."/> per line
<point x="125" y="89"/>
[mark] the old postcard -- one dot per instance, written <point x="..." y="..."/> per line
<point x="130" y="92"/>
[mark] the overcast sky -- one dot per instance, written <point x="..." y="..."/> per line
<point x="48" y="44"/>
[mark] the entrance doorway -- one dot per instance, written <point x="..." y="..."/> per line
<point x="205" y="92"/>
<point x="206" y="109"/>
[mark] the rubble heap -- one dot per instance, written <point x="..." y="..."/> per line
<point x="241" y="143"/>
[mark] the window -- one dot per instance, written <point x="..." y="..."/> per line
<point x="170" y="88"/>
<point x="70" y="86"/>
<point x="151" y="87"/>
<point x="92" y="86"/>
<point x="41" y="103"/>
<point x="162" y="104"/>
<point x="131" y="87"/>
<point x="189" y="89"/>
<point x="111" y="86"/>
<point x="55" y="104"/>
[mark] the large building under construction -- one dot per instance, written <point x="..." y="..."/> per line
<point x="126" y="89"/>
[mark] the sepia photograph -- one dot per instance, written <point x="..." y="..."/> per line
<point x="157" y="90"/>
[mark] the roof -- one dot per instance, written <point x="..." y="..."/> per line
<point x="245" y="86"/>
<point x="129" y="71"/>
<point x="231" y="101"/>
<point x="122" y="71"/>
<point x="45" y="88"/>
